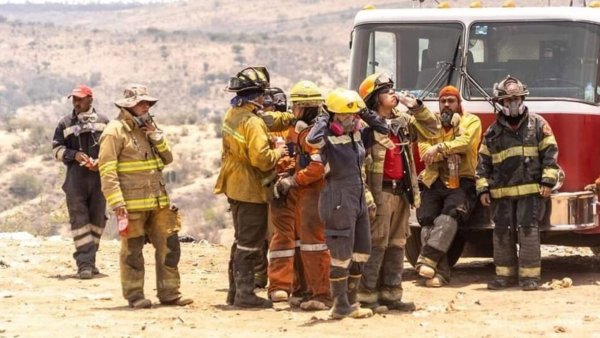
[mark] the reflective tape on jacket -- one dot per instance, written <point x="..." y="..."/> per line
<point x="550" y="173"/>
<point x="143" y="165"/>
<point x="109" y="166"/>
<point x="231" y="132"/>
<point x="162" y="146"/>
<point x="481" y="184"/>
<point x="115" y="198"/>
<point x="515" y="191"/>
<point x="547" y="141"/>
<point x="514" y="151"/>
<point x="140" y="204"/>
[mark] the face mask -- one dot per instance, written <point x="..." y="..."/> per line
<point x="348" y="125"/>
<point x="514" y="109"/>
<point x="446" y="117"/>
<point x="142" y="119"/>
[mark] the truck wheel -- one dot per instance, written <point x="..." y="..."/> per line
<point x="413" y="247"/>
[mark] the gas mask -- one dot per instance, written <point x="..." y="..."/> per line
<point x="513" y="108"/>
<point x="142" y="119"/>
<point x="339" y="128"/>
<point x="87" y="117"/>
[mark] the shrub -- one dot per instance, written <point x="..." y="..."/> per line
<point x="25" y="186"/>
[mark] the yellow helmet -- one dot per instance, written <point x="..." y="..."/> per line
<point x="306" y="93"/>
<point x="344" y="101"/>
<point x="372" y="83"/>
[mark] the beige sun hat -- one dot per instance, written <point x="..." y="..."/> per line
<point x="135" y="94"/>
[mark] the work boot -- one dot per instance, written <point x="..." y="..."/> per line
<point x="426" y="271"/>
<point x="339" y="292"/>
<point x="231" y="290"/>
<point x="177" y="302"/>
<point x="313" y="305"/>
<point x="501" y="282"/>
<point x="244" y="282"/>
<point x="141" y="303"/>
<point x="436" y="282"/>
<point x="353" y="284"/>
<point x="95" y="271"/>
<point x="278" y="296"/>
<point x="367" y="298"/>
<point x="529" y="284"/>
<point x="86" y="273"/>
<point x="391" y="296"/>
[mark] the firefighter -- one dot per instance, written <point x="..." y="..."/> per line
<point x="516" y="172"/>
<point x="75" y="144"/>
<point x="343" y="204"/>
<point x="392" y="179"/>
<point x="246" y="176"/>
<point x="448" y="195"/>
<point x="302" y="188"/>
<point x="133" y="153"/>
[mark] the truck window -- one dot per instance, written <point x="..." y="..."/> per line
<point x="554" y="59"/>
<point x="414" y="54"/>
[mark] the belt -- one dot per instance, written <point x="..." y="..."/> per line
<point x="395" y="185"/>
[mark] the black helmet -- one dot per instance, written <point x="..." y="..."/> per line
<point x="250" y="79"/>
<point x="509" y="87"/>
<point x="275" y="97"/>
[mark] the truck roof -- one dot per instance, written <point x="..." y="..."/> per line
<point x="468" y="15"/>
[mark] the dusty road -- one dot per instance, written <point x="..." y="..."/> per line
<point x="38" y="297"/>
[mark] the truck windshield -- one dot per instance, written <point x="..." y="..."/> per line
<point x="555" y="59"/>
<point x="415" y="54"/>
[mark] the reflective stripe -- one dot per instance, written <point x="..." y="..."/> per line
<point x="96" y="229"/>
<point x="281" y="253"/>
<point x="313" y="247"/>
<point x="343" y="139"/>
<point x="546" y="142"/>
<point x="147" y="203"/>
<point x="530" y="272"/>
<point x="484" y="150"/>
<point x="481" y="184"/>
<point x="115" y="198"/>
<point x="297" y="243"/>
<point x="340" y="263"/>
<point x="514" y="191"/>
<point x="246" y="248"/>
<point x="84" y="240"/>
<point x="422" y="260"/>
<point x="83" y="128"/>
<point x="506" y="271"/>
<point x="162" y="146"/>
<point x="59" y="152"/>
<point x="550" y="173"/>
<point x="316" y="157"/>
<point x="360" y="257"/>
<point x="81" y="231"/>
<point x="239" y="137"/>
<point x="107" y="167"/>
<point x="338" y="279"/>
<point x="377" y="167"/>
<point x="514" y="151"/>
<point x="144" y="165"/>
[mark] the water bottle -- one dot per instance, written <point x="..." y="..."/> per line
<point x="588" y="94"/>
<point x="453" y="166"/>
<point x="123" y="224"/>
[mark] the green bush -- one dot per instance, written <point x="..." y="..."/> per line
<point x="25" y="186"/>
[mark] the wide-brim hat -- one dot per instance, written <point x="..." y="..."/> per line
<point x="135" y="94"/>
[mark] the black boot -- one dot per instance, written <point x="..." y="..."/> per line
<point x="339" y="292"/>
<point x="244" y="282"/>
<point x="502" y="282"/>
<point x="529" y="284"/>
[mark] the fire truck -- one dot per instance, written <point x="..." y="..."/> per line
<point x="553" y="50"/>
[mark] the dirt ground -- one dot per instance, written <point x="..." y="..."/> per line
<point x="40" y="297"/>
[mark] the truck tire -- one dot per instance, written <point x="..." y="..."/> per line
<point x="413" y="247"/>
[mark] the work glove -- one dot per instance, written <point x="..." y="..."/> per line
<point x="371" y="206"/>
<point x="408" y="100"/>
<point x="283" y="186"/>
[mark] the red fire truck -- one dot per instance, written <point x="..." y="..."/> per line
<point x="554" y="50"/>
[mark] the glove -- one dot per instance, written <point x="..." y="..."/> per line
<point x="323" y="115"/>
<point x="283" y="186"/>
<point x="455" y="121"/>
<point x="407" y="99"/>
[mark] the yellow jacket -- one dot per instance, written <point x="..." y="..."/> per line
<point x="463" y="140"/>
<point x="248" y="160"/>
<point x="131" y="164"/>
